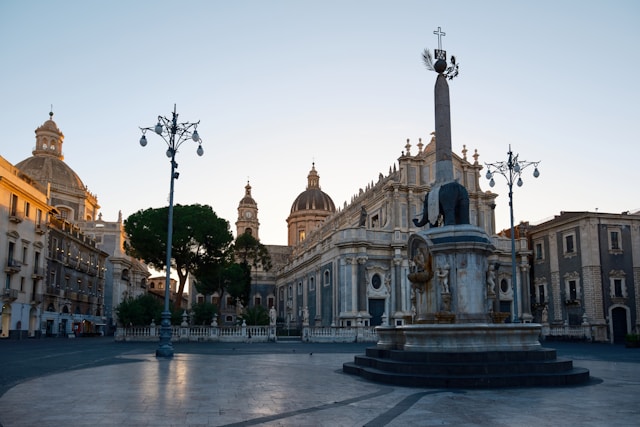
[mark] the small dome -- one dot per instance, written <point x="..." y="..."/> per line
<point x="247" y="199"/>
<point x="47" y="163"/>
<point x="313" y="198"/>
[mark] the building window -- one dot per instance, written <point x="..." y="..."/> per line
<point x="572" y="287"/>
<point x="504" y="286"/>
<point x="281" y="294"/>
<point x="539" y="251"/>
<point x="301" y="235"/>
<point x="312" y="284"/>
<point x="257" y="301"/>
<point x="569" y="244"/>
<point x="615" y="245"/>
<point x="230" y="302"/>
<point x="13" y="209"/>
<point x="573" y="290"/>
<point x="376" y="281"/>
<point x="270" y="302"/>
<point x="299" y="288"/>
<point x="617" y="283"/>
<point x="541" y="294"/>
<point x="327" y="278"/>
<point x="617" y="287"/>
<point x="613" y="236"/>
<point x="200" y="299"/>
<point x="27" y="209"/>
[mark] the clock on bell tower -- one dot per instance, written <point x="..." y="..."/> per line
<point x="247" y="214"/>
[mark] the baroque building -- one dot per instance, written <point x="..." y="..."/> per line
<point x="349" y="266"/>
<point x="87" y="272"/>
<point x="24" y="213"/>
<point x="586" y="270"/>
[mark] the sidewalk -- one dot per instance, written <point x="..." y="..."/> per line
<point x="307" y="389"/>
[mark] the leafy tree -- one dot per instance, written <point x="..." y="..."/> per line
<point x="200" y="238"/>
<point x="203" y="313"/>
<point x="237" y="281"/>
<point x="254" y="316"/>
<point x="251" y="254"/>
<point x="139" y="311"/>
<point x="248" y="250"/>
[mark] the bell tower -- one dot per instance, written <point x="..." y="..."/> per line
<point x="248" y="215"/>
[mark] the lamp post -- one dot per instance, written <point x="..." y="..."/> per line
<point x="511" y="169"/>
<point x="174" y="134"/>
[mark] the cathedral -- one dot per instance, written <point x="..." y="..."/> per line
<point x="348" y="266"/>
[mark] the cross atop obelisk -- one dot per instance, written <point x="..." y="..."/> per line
<point x="444" y="165"/>
<point x="440" y="34"/>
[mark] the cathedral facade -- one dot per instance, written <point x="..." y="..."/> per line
<point x="348" y="266"/>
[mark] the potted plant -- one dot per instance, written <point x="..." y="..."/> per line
<point x="632" y="340"/>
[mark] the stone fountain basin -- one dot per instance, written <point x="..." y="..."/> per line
<point x="463" y="337"/>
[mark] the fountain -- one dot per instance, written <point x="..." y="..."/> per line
<point x="457" y="337"/>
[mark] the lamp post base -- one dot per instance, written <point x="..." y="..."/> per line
<point x="165" y="348"/>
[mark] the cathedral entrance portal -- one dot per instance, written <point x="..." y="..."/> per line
<point x="376" y="310"/>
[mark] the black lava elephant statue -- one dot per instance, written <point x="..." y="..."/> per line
<point x="453" y="205"/>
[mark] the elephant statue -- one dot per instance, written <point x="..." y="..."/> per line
<point x="452" y="203"/>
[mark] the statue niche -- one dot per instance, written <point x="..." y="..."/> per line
<point x="451" y="200"/>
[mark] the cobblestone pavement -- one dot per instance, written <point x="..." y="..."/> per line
<point x="101" y="383"/>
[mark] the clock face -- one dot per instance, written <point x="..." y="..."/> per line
<point x="248" y="214"/>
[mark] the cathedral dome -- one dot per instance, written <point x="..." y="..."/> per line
<point x="51" y="170"/>
<point x="313" y="198"/>
<point x="47" y="163"/>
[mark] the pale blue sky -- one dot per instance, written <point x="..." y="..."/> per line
<point x="280" y="84"/>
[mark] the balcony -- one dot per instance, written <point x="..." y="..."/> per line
<point x="16" y="217"/>
<point x="13" y="266"/>
<point x="9" y="295"/>
<point x="37" y="299"/>
<point x="38" y="274"/>
<point x="41" y="228"/>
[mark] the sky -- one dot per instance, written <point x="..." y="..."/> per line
<point x="279" y="85"/>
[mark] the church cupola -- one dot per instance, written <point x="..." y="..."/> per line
<point x="49" y="139"/>
<point x="309" y="209"/>
<point x="247" y="214"/>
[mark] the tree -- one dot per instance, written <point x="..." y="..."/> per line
<point x="200" y="238"/>
<point x="237" y="281"/>
<point x="250" y="251"/>
<point x="203" y="313"/>
<point x="251" y="254"/>
<point x="255" y="316"/>
<point x="139" y="311"/>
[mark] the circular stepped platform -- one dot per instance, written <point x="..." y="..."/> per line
<point x="487" y="369"/>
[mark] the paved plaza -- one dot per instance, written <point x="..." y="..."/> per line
<point x="115" y="384"/>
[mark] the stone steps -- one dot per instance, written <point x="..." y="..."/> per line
<point x="467" y="370"/>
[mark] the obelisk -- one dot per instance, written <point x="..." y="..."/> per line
<point x="444" y="165"/>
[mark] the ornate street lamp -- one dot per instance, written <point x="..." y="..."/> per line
<point x="174" y="134"/>
<point x="512" y="171"/>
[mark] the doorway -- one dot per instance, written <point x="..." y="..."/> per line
<point x="376" y="310"/>
<point x="619" y="321"/>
